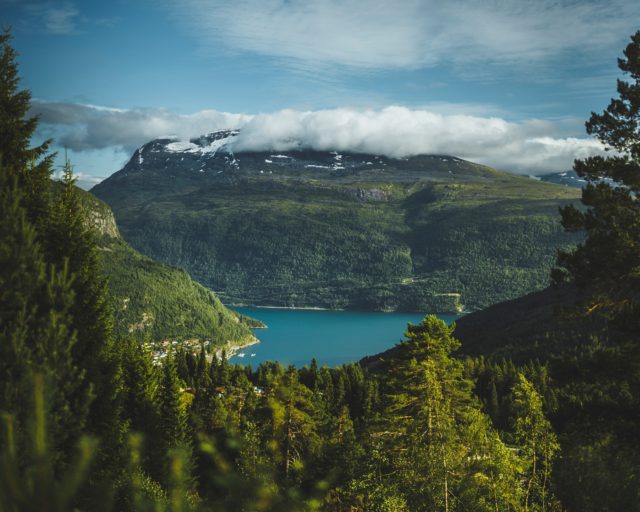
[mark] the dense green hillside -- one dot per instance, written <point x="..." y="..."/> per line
<point x="537" y="326"/>
<point x="310" y="228"/>
<point x="154" y="301"/>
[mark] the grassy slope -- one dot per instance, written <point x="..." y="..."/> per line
<point x="307" y="240"/>
<point x="154" y="301"/>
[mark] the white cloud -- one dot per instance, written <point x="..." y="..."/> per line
<point x="53" y="16"/>
<point x="83" y="180"/>
<point x="61" y="20"/>
<point x="525" y="147"/>
<point x="85" y="127"/>
<point x="531" y="146"/>
<point x="379" y="34"/>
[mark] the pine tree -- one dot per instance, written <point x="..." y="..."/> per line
<point x="36" y="331"/>
<point x="292" y="425"/>
<point x="601" y="405"/>
<point x="538" y="446"/>
<point x="32" y="166"/>
<point x="139" y="381"/>
<point x="72" y="298"/>
<point x="71" y="243"/>
<point x="608" y="262"/>
<point x="173" y="424"/>
<point x="444" y="452"/>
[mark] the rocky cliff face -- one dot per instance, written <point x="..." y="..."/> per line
<point x="365" y="195"/>
<point x="99" y="215"/>
<point x="103" y="222"/>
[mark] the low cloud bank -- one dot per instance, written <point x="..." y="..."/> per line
<point x="527" y="147"/>
<point x="85" y="127"/>
<point x="398" y="132"/>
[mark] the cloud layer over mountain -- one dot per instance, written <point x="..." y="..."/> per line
<point x="531" y="146"/>
<point x="399" y="132"/>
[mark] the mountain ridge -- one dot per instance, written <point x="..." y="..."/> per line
<point x="338" y="230"/>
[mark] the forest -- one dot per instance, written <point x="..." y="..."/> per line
<point x="89" y="422"/>
<point x="151" y="301"/>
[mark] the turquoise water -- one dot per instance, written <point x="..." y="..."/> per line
<point x="295" y="336"/>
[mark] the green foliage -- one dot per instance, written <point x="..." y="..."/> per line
<point x="35" y="331"/>
<point x="436" y="448"/>
<point x="413" y="435"/>
<point x="292" y="424"/>
<point x="173" y="434"/>
<point x="602" y="389"/>
<point x="611" y="220"/>
<point x="31" y="483"/>
<point x="538" y="445"/>
<point x="31" y="166"/>
<point x="58" y="322"/>
<point x="154" y="301"/>
<point x="592" y="348"/>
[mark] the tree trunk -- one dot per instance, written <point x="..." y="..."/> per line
<point x="533" y="475"/>
<point x="287" y="454"/>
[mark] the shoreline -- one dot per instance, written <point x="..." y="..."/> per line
<point x="306" y="308"/>
<point x="232" y="350"/>
<point x="315" y="308"/>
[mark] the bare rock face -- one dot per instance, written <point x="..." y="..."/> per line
<point x="103" y="222"/>
<point x="368" y="194"/>
<point x="98" y="215"/>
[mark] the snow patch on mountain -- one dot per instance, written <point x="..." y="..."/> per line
<point x="182" y="147"/>
<point x="208" y="144"/>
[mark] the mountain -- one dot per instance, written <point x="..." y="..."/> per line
<point x="153" y="301"/>
<point x="338" y="230"/>
<point x="567" y="178"/>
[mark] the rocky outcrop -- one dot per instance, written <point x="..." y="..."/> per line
<point x="103" y="222"/>
<point x="368" y="194"/>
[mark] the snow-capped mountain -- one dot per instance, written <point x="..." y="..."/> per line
<point x="335" y="229"/>
<point x="213" y="156"/>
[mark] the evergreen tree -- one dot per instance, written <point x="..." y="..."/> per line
<point x="35" y="324"/>
<point x="71" y="243"/>
<point x="32" y="166"/>
<point x="292" y="425"/>
<point x="173" y="424"/>
<point x="445" y="455"/>
<point x="608" y="261"/>
<point x="72" y="301"/>
<point x="140" y="379"/>
<point x="602" y="388"/>
<point x="538" y="447"/>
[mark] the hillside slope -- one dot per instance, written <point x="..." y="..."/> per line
<point x="337" y="230"/>
<point x="539" y="325"/>
<point x="153" y="301"/>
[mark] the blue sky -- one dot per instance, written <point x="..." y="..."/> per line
<point x="507" y="83"/>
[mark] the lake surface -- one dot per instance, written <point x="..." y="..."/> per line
<point x="295" y="336"/>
